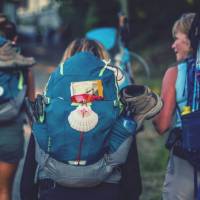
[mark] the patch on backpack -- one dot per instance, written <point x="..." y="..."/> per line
<point x="83" y="93"/>
<point x="87" y="87"/>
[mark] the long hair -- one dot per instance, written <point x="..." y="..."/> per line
<point x="84" y="44"/>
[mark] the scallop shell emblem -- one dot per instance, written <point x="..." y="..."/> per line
<point x="83" y="119"/>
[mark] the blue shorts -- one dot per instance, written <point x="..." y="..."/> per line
<point x="12" y="141"/>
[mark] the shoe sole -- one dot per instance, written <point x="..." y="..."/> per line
<point x="155" y="110"/>
<point x="151" y="113"/>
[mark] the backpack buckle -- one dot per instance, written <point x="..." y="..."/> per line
<point x="77" y="162"/>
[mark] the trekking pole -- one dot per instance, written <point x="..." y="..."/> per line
<point x="123" y="46"/>
<point x="124" y="34"/>
<point x="124" y="29"/>
<point x="29" y="110"/>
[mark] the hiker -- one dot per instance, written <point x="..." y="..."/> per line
<point x="58" y="174"/>
<point x="13" y="84"/>
<point x="104" y="183"/>
<point x="95" y="179"/>
<point x="180" y="102"/>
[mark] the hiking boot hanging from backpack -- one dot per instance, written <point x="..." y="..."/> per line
<point x="10" y="57"/>
<point x="140" y="102"/>
<point x="13" y="82"/>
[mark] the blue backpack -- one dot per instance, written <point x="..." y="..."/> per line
<point x="83" y="84"/>
<point x="12" y="90"/>
<point x="10" y="85"/>
<point x="81" y="136"/>
<point x="12" y="94"/>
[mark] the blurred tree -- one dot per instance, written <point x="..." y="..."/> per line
<point x="9" y="7"/>
<point x="73" y="14"/>
<point x="81" y="15"/>
<point x="154" y="22"/>
<point x="124" y="6"/>
<point x="150" y="20"/>
<point x="12" y="1"/>
<point x="1" y="5"/>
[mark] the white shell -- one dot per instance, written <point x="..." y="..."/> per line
<point x="83" y="119"/>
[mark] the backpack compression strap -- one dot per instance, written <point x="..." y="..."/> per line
<point x="194" y="36"/>
<point x="62" y="68"/>
<point x="21" y="81"/>
<point x="114" y="69"/>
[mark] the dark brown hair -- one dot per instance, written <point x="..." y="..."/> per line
<point x="7" y="28"/>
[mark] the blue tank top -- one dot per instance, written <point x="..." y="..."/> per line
<point x="181" y="90"/>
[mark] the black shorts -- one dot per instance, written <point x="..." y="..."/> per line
<point x="49" y="190"/>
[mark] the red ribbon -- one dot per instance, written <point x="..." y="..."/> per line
<point x="85" y="98"/>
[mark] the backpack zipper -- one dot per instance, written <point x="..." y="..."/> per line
<point x="80" y="144"/>
<point x="49" y="144"/>
<point x="80" y="148"/>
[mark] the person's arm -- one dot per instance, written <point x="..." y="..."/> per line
<point x="31" y="85"/>
<point x="162" y="121"/>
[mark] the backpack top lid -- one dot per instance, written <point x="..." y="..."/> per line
<point x="10" y="56"/>
<point x="83" y="66"/>
<point x="82" y="60"/>
<point x="106" y="36"/>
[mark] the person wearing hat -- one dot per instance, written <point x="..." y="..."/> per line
<point x="176" y="93"/>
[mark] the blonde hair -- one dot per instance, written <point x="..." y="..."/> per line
<point x="84" y="44"/>
<point x="183" y="24"/>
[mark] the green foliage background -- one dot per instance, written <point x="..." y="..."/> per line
<point x="149" y="19"/>
<point x="150" y="24"/>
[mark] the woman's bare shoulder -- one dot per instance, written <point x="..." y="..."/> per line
<point x="171" y="70"/>
<point x="170" y="74"/>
